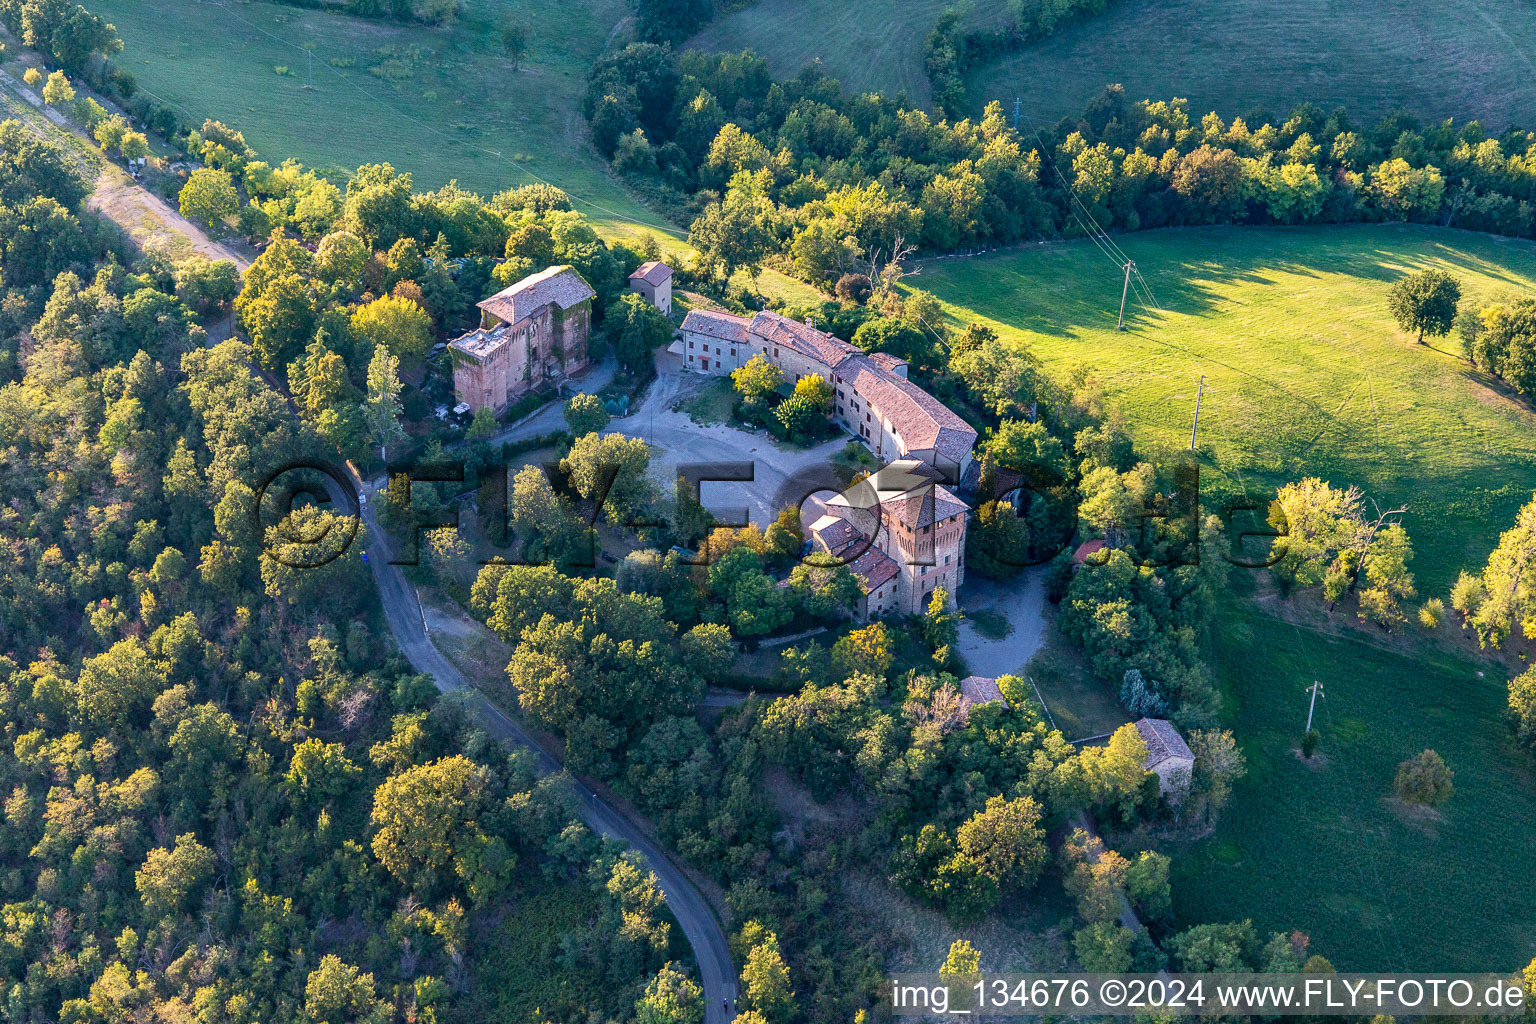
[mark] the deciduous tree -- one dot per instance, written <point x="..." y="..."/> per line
<point x="1425" y="302"/>
<point x="209" y="196"/>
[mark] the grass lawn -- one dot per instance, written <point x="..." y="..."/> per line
<point x="1323" y="848"/>
<point x="1306" y="372"/>
<point x="1081" y="704"/>
<point x="438" y="102"/>
<point x="714" y="403"/>
<point x="1459" y="58"/>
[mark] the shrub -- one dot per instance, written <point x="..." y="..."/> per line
<point x="1309" y="743"/>
<point x="1522" y="705"/>
<point x="1424" y="779"/>
<point x="855" y="288"/>
<point x="1432" y="613"/>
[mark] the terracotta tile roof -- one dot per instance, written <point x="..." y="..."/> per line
<point x="803" y="338"/>
<point x="980" y="690"/>
<point x="907" y="491"/>
<point x="561" y="285"/>
<point x="1163" y="742"/>
<point x="714" y="324"/>
<point x="653" y="272"/>
<point x="1086" y="548"/>
<point x="873" y="569"/>
<point x="923" y="506"/>
<point x="923" y="421"/>
<point x="886" y="361"/>
<point x="835" y="533"/>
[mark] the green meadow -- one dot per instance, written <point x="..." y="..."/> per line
<point x="1307" y="375"/>
<point x="1323" y="846"/>
<point x="868" y="45"/>
<point x="439" y="102"/>
<point x="1458" y="58"/>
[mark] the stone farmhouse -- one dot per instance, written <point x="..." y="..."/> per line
<point x="531" y="333"/>
<point x="1167" y="755"/>
<point x="874" y="401"/>
<point x="653" y="282"/>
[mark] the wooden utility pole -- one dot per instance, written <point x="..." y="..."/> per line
<point x="1196" y="429"/>
<point x="311" y="54"/>
<point x="1130" y="265"/>
<point x="1015" y="115"/>
<point x="1316" y="688"/>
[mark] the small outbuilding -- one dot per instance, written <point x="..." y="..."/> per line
<point x="976" y="690"/>
<point x="654" y="283"/>
<point x="1168" y="756"/>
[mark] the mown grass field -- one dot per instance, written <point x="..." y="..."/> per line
<point x="1458" y="58"/>
<point x="1322" y="847"/>
<point x="439" y="102"/>
<point x="1308" y="375"/>
<point x="870" y="45"/>
<point x="1306" y="372"/>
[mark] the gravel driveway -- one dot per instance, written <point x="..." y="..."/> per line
<point x="676" y="439"/>
<point x="1022" y="602"/>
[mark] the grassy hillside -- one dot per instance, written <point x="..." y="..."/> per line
<point x="1323" y="847"/>
<point x="871" y="45"/>
<point x="1306" y="372"/>
<point x="439" y="102"/>
<point x="1307" y="375"/>
<point x="1461" y="58"/>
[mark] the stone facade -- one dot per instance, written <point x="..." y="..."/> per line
<point x="653" y="282"/>
<point x="531" y="333"/>
<point x="1168" y="756"/>
<point x="902" y="533"/>
<point x="873" y="400"/>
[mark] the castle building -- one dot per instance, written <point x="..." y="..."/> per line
<point x="531" y="333"/>
<point x="874" y="401"/>
<point x="902" y="533"/>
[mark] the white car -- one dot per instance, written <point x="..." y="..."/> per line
<point x="362" y="499"/>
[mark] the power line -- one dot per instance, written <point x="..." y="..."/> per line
<point x="1097" y="234"/>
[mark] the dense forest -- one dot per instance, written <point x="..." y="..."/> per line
<point x="836" y="183"/>
<point x="225" y="800"/>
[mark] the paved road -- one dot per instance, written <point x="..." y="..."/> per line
<point x="700" y="926"/>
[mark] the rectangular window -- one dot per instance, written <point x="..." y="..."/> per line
<point x="775" y="352"/>
<point x="690" y="344"/>
<point x="733" y="352"/>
